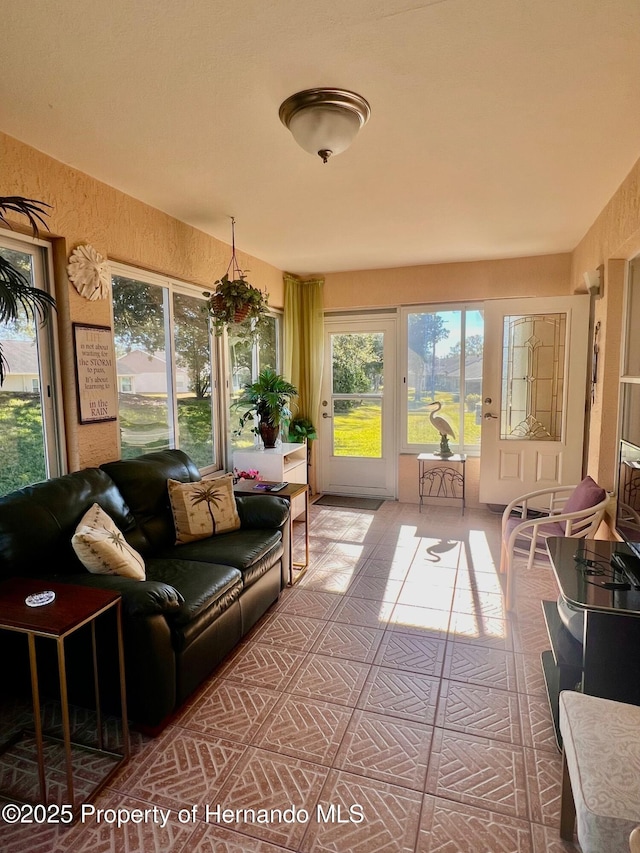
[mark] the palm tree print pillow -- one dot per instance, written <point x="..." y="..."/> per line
<point x="102" y="549"/>
<point x="203" y="509"/>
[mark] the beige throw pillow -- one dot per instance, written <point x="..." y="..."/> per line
<point x="102" y="548"/>
<point x="203" y="509"/>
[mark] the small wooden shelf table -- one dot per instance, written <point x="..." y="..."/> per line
<point x="291" y="492"/>
<point x="73" y="607"/>
<point x="437" y="479"/>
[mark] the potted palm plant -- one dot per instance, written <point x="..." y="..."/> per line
<point x="17" y="295"/>
<point x="267" y="400"/>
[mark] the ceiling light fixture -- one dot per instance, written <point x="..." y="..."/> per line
<point x="324" y="121"/>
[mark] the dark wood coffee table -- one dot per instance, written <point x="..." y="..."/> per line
<point x="73" y="607"/>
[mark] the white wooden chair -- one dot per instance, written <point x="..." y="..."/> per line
<point x="575" y="511"/>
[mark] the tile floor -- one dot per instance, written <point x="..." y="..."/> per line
<point x="388" y="697"/>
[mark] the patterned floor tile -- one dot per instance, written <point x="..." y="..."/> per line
<point x="182" y="769"/>
<point x="376" y="588"/>
<point x="327" y="580"/>
<point x="353" y="642"/>
<point x="479" y="710"/>
<point x="489" y="604"/>
<point x="331" y="679"/>
<point x="479" y="772"/>
<point x="538" y="730"/>
<point x="263" y="665"/>
<point x="396" y="693"/>
<point x="483" y="582"/>
<point x="411" y="652"/>
<point x="307" y="602"/>
<point x="529" y="674"/>
<point x="448" y="827"/>
<point x="230" y="710"/>
<point x="386" y="748"/>
<point x="305" y="729"/>
<point x="547" y="840"/>
<point x="544" y="774"/>
<point x="151" y="834"/>
<point x="215" y="839"/>
<point x="384" y="569"/>
<point x="265" y="780"/>
<point x="357" y="815"/>
<point x="430" y="621"/>
<point x="482" y="630"/>
<point x="426" y="594"/>
<point x="480" y="665"/>
<point x="293" y="632"/>
<point x="531" y="637"/>
<point x="363" y="611"/>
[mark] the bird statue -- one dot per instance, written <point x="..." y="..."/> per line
<point x="444" y="428"/>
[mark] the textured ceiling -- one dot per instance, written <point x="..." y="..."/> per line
<point x="499" y="128"/>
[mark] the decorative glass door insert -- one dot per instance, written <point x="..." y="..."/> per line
<point x="533" y="366"/>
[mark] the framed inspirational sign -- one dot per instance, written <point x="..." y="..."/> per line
<point x="95" y="373"/>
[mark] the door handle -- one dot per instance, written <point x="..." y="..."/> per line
<point x="488" y="416"/>
<point x="325" y="415"/>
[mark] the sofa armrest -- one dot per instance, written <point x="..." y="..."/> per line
<point x="139" y="598"/>
<point x="262" y="511"/>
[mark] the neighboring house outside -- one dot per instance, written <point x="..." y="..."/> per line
<point x="142" y="373"/>
<point x="22" y="372"/>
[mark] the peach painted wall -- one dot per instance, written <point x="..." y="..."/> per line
<point x="123" y="229"/>
<point x="545" y="275"/>
<point x="612" y="240"/>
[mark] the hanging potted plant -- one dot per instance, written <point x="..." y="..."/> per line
<point x="266" y="399"/>
<point x="236" y="304"/>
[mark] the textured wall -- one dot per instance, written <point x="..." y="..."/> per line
<point x="546" y="275"/>
<point x="121" y="228"/>
<point x="612" y="240"/>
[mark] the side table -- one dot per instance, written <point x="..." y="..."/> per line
<point x="290" y="492"/>
<point x="72" y="608"/>
<point x="437" y="479"/>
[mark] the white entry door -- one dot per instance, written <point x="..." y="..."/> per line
<point x="357" y="439"/>
<point x="534" y="395"/>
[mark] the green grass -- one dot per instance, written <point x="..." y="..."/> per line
<point x="21" y="441"/>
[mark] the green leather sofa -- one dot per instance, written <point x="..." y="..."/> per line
<point x="198" y="599"/>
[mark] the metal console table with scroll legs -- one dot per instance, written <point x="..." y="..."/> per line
<point x="438" y="479"/>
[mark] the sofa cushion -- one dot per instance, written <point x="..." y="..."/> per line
<point x="204" y="587"/>
<point x="203" y="509"/>
<point x="143" y="484"/>
<point x="102" y="548"/>
<point x="37" y="522"/>
<point x="253" y="552"/>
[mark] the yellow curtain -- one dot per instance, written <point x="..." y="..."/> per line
<point x="304" y="342"/>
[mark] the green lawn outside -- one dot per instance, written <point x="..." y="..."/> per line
<point x="21" y="445"/>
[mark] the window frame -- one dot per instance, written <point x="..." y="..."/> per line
<point x="170" y="287"/>
<point x="49" y="371"/>
<point x="407" y="447"/>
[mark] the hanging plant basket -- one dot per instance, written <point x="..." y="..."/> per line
<point x="235" y="304"/>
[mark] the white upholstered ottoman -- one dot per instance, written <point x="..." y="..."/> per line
<point x="601" y="771"/>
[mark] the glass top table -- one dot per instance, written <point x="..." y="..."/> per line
<point x="586" y="577"/>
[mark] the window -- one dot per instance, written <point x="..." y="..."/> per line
<point x="30" y="421"/>
<point x="166" y="368"/>
<point x="443" y="365"/>
<point x="246" y="360"/>
<point x="630" y="382"/>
